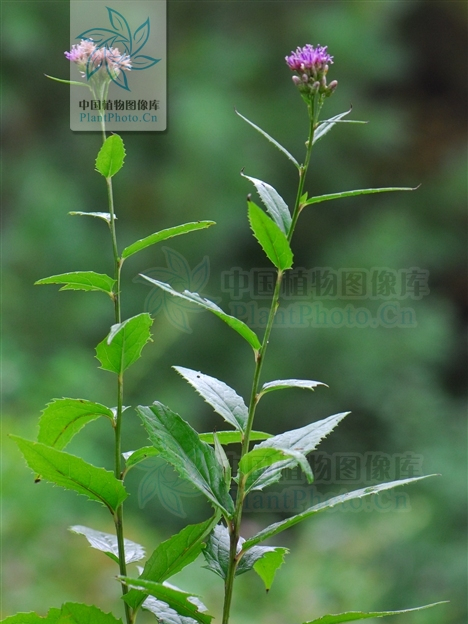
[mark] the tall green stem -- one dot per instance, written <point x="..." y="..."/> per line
<point x="234" y="525"/>
<point x="118" y="516"/>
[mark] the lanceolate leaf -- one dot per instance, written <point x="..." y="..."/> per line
<point x="223" y="399"/>
<point x="63" y="418"/>
<point x="322" y="198"/>
<point x="260" y="458"/>
<point x="124" y="344"/>
<point x="176" y="599"/>
<point x="193" y="459"/>
<point x="267" y="566"/>
<point x="72" y="473"/>
<point x="280" y="384"/>
<point x="81" y="280"/>
<point x="325" y="126"/>
<point x="105" y="216"/>
<point x="271" y="139"/>
<point x="305" y="440"/>
<point x="240" y="327"/>
<point x="107" y="543"/>
<point x="274" y="203"/>
<point x="163" y="235"/>
<point x="132" y="458"/>
<point x="278" y="527"/>
<point x="353" y="616"/>
<point x="171" y="556"/>
<point x="111" y="156"/>
<point x="233" y="437"/>
<point x="271" y="238"/>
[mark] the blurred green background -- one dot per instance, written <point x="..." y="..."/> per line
<point x="402" y="65"/>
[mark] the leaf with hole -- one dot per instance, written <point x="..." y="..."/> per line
<point x="73" y="473"/>
<point x="223" y="399"/>
<point x="107" y="543"/>
<point x="194" y="460"/>
<point x="124" y="343"/>
<point x="271" y="238"/>
<point x="64" y="418"/>
<point x="81" y="280"/>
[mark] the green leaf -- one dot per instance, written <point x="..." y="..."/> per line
<point x="305" y="440"/>
<point x="123" y="346"/>
<point x="111" y="156"/>
<point x="274" y="203"/>
<point x="81" y="280"/>
<point x="281" y="384"/>
<point x="260" y="458"/>
<point x="63" y="418"/>
<point x="352" y="616"/>
<point x="176" y="599"/>
<point x="164" y="613"/>
<point x="106" y="216"/>
<point x="171" y="556"/>
<point x="223" y="399"/>
<point x="233" y="437"/>
<point x="271" y="139"/>
<point x="69" y="82"/>
<point x="240" y="327"/>
<point x="32" y="618"/>
<point x="107" y="543"/>
<point x="321" y="198"/>
<point x="325" y="126"/>
<point x="163" y="235"/>
<point x="272" y="240"/>
<point x="267" y="566"/>
<point x="72" y="473"/>
<point x="74" y="613"/>
<point x="193" y="459"/>
<point x="278" y="527"/>
<point x="223" y="461"/>
<point x="132" y="458"/>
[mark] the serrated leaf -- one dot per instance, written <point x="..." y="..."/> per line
<point x="352" y="616"/>
<point x="81" y="280"/>
<point x="236" y="324"/>
<point x="274" y="203"/>
<point x="124" y="344"/>
<point x="261" y="458"/>
<point x="105" y="216"/>
<point x="224" y="400"/>
<point x="278" y="527"/>
<point x="271" y="238"/>
<point x="107" y="543"/>
<point x="267" y="566"/>
<point x="74" y="613"/>
<point x="165" y="614"/>
<point x="174" y="598"/>
<point x="64" y="418"/>
<point x="233" y="437"/>
<point x="193" y="459"/>
<point x="171" y="556"/>
<point x="322" y="198"/>
<point x="304" y="440"/>
<point x="132" y="458"/>
<point x="111" y="155"/>
<point x="281" y="384"/>
<point x="72" y="473"/>
<point x="157" y="237"/>
<point x="271" y="139"/>
<point x="32" y="618"/>
<point x="325" y="126"/>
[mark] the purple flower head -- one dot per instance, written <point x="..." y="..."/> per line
<point x="90" y="59"/>
<point x="310" y="66"/>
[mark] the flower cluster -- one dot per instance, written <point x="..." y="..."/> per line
<point x="310" y="67"/>
<point x="90" y="59"/>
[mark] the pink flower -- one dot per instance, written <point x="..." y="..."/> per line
<point x="310" y="67"/>
<point x="90" y="59"/>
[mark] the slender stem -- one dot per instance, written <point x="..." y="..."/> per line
<point x="234" y="525"/>
<point x="118" y="516"/>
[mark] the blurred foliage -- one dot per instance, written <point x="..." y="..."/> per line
<point x="401" y="65"/>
